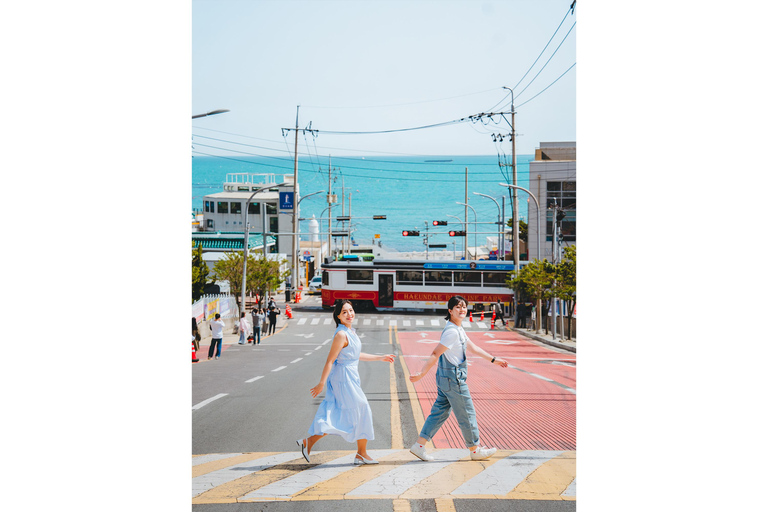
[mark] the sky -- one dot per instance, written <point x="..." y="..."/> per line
<point x="373" y="66"/>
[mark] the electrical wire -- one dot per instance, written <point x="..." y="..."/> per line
<point x="548" y="60"/>
<point x="547" y="87"/>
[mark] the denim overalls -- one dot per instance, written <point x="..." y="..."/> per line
<point x="453" y="393"/>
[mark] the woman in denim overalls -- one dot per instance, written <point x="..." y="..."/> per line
<point x="452" y="391"/>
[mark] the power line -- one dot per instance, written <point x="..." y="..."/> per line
<point x="547" y="87"/>
<point x="550" y="58"/>
<point x="545" y="46"/>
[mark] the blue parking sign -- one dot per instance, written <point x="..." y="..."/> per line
<point x="286" y="200"/>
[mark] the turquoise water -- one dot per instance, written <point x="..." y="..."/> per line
<point x="408" y="190"/>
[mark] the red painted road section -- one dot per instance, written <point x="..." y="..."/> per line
<point x="516" y="408"/>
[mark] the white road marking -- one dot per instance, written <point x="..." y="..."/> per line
<point x="302" y="321"/>
<point x="419" y="322"/>
<point x="206" y="402"/>
<point x="406" y="323"/>
<point x="208" y="481"/>
<point x="255" y="379"/>
<point x="319" y="347"/>
<point x="379" y="322"/>
<point x="571" y="490"/>
<point x="367" y="321"/>
<point x="435" y="322"/>
<point x="196" y="461"/>
<point x="506" y="474"/>
<point x="482" y="325"/>
<point x="314" y="321"/>
<point x="308" y="354"/>
<point x="393" y="323"/>
<point x="327" y="321"/>
<point x="281" y="368"/>
<point x="326" y="341"/>
<point x="297" y="360"/>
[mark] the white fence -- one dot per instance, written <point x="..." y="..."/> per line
<point x="208" y="305"/>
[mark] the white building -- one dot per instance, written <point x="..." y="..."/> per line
<point x="269" y="211"/>
<point x="552" y="179"/>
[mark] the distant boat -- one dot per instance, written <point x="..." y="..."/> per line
<point x="433" y="161"/>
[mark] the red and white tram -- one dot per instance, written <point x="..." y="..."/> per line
<point x="418" y="284"/>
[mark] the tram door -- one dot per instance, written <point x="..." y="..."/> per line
<point x="386" y="293"/>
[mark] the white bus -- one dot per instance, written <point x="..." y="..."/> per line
<point x="418" y="284"/>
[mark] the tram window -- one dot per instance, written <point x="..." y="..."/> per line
<point x="360" y="276"/>
<point x="437" y="277"/>
<point x="325" y="278"/>
<point x="410" y="277"/>
<point x="494" y="279"/>
<point x="466" y="278"/>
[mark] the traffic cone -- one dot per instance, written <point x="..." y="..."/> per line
<point x="493" y="320"/>
<point x="194" y="355"/>
<point x="482" y="316"/>
<point x="470" y="316"/>
<point x="288" y="311"/>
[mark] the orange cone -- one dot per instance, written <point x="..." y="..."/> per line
<point x="194" y="355"/>
<point x="288" y="311"/>
<point x="470" y="316"/>
<point x="493" y="320"/>
<point x="482" y="315"/>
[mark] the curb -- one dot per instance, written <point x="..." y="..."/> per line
<point x="549" y="341"/>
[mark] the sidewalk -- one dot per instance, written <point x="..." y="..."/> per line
<point x="569" y="345"/>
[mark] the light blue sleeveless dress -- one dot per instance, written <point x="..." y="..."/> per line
<point x="345" y="410"/>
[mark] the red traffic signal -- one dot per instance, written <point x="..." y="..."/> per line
<point x="457" y="233"/>
<point x="439" y="222"/>
<point x="410" y="233"/>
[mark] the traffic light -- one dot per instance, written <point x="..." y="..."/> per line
<point x="410" y="233"/>
<point x="439" y="222"/>
<point x="457" y="233"/>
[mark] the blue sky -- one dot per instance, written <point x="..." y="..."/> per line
<point x="374" y="66"/>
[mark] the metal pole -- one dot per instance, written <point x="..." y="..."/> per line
<point x="473" y="211"/>
<point x="295" y="238"/>
<point x="498" y="245"/>
<point x="536" y="202"/>
<point x="466" y="213"/>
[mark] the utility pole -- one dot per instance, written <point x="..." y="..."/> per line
<point x="331" y="201"/>
<point x="466" y="212"/>
<point x="515" y="206"/>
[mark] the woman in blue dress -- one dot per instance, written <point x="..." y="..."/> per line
<point x="345" y="410"/>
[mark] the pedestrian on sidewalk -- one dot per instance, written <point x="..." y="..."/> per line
<point x="499" y="313"/>
<point x="217" y="333"/>
<point x="452" y="391"/>
<point x="273" y="312"/>
<point x="256" y="317"/>
<point x="243" y="329"/>
<point x="264" y="322"/>
<point x="344" y="411"/>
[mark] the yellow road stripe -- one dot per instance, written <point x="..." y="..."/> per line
<point x="232" y="491"/>
<point x="395" y="423"/>
<point x="446" y="480"/>
<point x="401" y="506"/>
<point x="216" y="465"/>
<point x="444" y="505"/>
<point x="549" y="480"/>
<point x="418" y="415"/>
<point x="336" y="488"/>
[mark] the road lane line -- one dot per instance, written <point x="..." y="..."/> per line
<point x="297" y="360"/>
<point x="308" y="354"/>
<point x="501" y="478"/>
<point x="280" y="368"/>
<point x="326" y="341"/>
<point x="396" y="427"/>
<point x="318" y="347"/>
<point x="206" y="402"/>
<point x="255" y="379"/>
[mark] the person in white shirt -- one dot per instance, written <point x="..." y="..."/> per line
<point x="243" y="328"/>
<point x="217" y="334"/>
<point x="452" y="391"/>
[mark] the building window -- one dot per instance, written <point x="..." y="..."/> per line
<point x="360" y="276"/>
<point x="410" y="277"/>
<point x="271" y="208"/>
<point x="494" y="279"/>
<point x="437" y="277"/>
<point x="209" y="206"/>
<point x="564" y="193"/>
<point x="222" y="207"/>
<point x="253" y="208"/>
<point x="273" y="225"/>
<point x="235" y="208"/>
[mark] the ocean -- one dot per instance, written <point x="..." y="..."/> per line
<point x="408" y="190"/>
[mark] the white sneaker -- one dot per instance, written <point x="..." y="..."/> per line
<point x="421" y="452"/>
<point x="482" y="453"/>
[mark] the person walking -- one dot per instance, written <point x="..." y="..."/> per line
<point x="452" y="391"/>
<point x="273" y="312"/>
<point x="499" y="313"/>
<point x="344" y="411"/>
<point x="217" y="334"/>
<point x="257" y="320"/>
<point x="243" y="327"/>
<point x="264" y="323"/>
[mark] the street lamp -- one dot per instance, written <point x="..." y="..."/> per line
<point x="294" y="259"/>
<point x="245" y="234"/>
<point x="538" y="219"/>
<point x="473" y="211"/>
<point x="500" y="248"/>
<point x="211" y="113"/>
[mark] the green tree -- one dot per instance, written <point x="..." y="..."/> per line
<point x="565" y="283"/>
<point x="523" y="231"/>
<point x="262" y="274"/>
<point x="535" y="280"/>
<point x="199" y="272"/>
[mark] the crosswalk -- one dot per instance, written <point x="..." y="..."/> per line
<point x="392" y="322"/>
<point x="286" y="476"/>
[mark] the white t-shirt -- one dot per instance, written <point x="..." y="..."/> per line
<point x="244" y="325"/>
<point x="217" y="329"/>
<point x="455" y="339"/>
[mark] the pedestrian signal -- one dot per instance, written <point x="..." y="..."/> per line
<point x="457" y="233"/>
<point x="439" y="222"/>
<point x="410" y="233"/>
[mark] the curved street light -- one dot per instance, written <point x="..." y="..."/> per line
<point x="295" y="258"/>
<point x="211" y="113"/>
<point x="500" y="247"/>
<point x="538" y="219"/>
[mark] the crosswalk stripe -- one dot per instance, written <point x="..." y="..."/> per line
<point x="235" y="468"/>
<point x="552" y="477"/>
<point x="397" y="481"/>
<point x="379" y="322"/>
<point x="301" y="321"/>
<point x="202" y="459"/>
<point x="502" y="477"/>
<point x="367" y="321"/>
<point x="481" y="325"/>
<point x="435" y="322"/>
<point x="327" y="321"/>
<point x="393" y="323"/>
<point x="449" y="478"/>
<point x="419" y="322"/>
<point x="406" y="323"/>
<point x="314" y="321"/>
